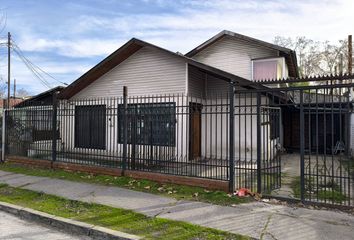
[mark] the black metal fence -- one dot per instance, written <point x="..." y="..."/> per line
<point x="171" y="134"/>
<point x="304" y="140"/>
<point x="282" y="139"/>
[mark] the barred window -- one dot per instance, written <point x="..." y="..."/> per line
<point x="149" y="123"/>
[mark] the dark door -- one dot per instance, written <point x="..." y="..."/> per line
<point x="195" y="134"/>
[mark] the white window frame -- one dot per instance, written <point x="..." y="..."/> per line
<point x="266" y="60"/>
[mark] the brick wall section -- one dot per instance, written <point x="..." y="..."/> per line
<point x="157" y="177"/>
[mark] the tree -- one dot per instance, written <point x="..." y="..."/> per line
<point x="22" y="93"/>
<point x="3" y="88"/>
<point x="317" y="58"/>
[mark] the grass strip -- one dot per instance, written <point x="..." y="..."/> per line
<point x="109" y="217"/>
<point x="178" y="192"/>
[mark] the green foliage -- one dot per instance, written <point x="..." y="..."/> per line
<point x="171" y="190"/>
<point x="109" y="217"/>
<point x="329" y="191"/>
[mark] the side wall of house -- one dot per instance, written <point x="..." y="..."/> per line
<point x="234" y="56"/>
<point x="351" y="134"/>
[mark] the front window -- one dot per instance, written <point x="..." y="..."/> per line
<point x="149" y="124"/>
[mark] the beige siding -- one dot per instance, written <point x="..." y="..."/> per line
<point x="196" y="82"/>
<point x="201" y="84"/>
<point x="234" y="56"/>
<point x="146" y="72"/>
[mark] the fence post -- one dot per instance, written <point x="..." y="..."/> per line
<point x="302" y="147"/>
<point x="54" y="128"/>
<point x="125" y="128"/>
<point x="3" y="139"/>
<point x="259" y="145"/>
<point x="232" y="138"/>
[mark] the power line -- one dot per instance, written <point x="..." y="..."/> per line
<point x="33" y="70"/>
<point x="16" y="47"/>
<point x="38" y="72"/>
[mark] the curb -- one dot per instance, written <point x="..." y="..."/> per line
<point x="68" y="225"/>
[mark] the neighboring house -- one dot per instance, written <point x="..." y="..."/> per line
<point x="150" y="70"/>
<point x="42" y="99"/>
<point x="13" y="102"/>
<point x="35" y="127"/>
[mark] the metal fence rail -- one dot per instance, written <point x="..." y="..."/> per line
<point x="304" y="143"/>
<point x="282" y="140"/>
<point x="171" y="134"/>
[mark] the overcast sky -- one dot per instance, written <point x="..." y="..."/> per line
<point x="66" y="38"/>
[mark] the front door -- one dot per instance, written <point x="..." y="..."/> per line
<point x="195" y="131"/>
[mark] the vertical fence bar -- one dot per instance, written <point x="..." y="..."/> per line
<point x="125" y="128"/>
<point x="232" y="139"/>
<point x="54" y="127"/>
<point x="3" y="136"/>
<point x="302" y="146"/>
<point x="259" y="144"/>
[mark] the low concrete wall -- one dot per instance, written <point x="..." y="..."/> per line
<point x="158" y="177"/>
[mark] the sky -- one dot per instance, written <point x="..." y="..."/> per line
<point x="66" y="38"/>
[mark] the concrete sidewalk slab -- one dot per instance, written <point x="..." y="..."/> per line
<point x="20" y="180"/>
<point x="256" y="219"/>
<point x="125" y="198"/>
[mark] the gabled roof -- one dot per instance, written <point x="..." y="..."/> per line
<point x="129" y="49"/>
<point x="290" y="55"/>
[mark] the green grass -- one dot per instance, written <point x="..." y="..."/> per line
<point x="296" y="187"/>
<point x="269" y="180"/>
<point x="171" y="190"/>
<point x="328" y="192"/>
<point x="109" y="217"/>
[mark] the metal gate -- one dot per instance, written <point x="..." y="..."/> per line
<point x="258" y="141"/>
<point x="295" y="139"/>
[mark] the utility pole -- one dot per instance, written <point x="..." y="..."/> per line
<point x="14" y="88"/>
<point x="8" y="68"/>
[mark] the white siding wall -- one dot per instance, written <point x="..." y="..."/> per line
<point x="112" y="147"/>
<point x="196" y="82"/>
<point x="351" y="134"/>
<point x="215" y="130"/>
<point x="145" y="72"/>
<point x="234" y="56"/>
<point x="215" y="127"/>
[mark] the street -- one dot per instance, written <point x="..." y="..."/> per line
<point x="12" y="228"/>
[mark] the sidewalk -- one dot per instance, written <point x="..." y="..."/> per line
<point x="257" y="219"/>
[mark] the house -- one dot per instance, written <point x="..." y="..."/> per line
<point x="31" y="122"/>
<point x="217" y="115"/>
<point x="13" y="102"/>
<point x="188" y="95"/>
<point x="42" y="99"/>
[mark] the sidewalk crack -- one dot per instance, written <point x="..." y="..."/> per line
<point x="264" y="230"/>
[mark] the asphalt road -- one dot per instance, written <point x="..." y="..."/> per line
<point x="12" y="228"/>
